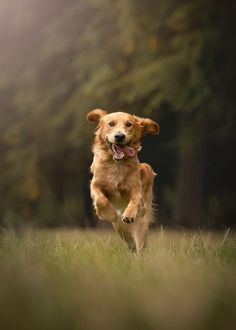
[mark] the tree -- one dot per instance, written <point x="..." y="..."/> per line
<point x="172" y="60"/>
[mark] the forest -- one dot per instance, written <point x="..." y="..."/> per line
<point x="170" y="60"/>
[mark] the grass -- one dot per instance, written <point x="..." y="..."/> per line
<point x="87" y="280"/>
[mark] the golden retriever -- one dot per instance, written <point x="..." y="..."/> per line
<point x="121" y="187"/>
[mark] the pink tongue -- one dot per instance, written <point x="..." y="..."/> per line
<point x="128" y="151"/>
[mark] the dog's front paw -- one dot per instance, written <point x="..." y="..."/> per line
<point x="127" y="219"/>
<point x="129" y="216"/>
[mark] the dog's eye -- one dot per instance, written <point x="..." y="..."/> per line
<point x="128" y="124"/>
<point x="112" y="123"/>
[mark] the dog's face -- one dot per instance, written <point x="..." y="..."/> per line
<point x="121" y="131"/>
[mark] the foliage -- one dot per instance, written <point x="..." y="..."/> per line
<point x="155" y="58"/>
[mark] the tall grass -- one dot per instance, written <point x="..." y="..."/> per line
<point x="88" y="280"/>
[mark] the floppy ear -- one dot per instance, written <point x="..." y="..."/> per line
<point x="148" y="126"/>
<point x="95" y="115"/>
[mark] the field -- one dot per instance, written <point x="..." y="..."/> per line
<point x="87" y="280"/>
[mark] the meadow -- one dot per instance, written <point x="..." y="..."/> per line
<point x="72" y="279"/>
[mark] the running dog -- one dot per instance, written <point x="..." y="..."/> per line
<point x="121" y="187"/>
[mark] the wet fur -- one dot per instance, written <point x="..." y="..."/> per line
<point x="122" y="191"/>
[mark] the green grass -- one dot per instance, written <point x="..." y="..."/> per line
<point x="88" y="280"/>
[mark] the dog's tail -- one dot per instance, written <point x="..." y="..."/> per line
<point x="147" y="176"/>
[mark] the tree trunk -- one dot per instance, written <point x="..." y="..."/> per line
<point x="188" y="207"/>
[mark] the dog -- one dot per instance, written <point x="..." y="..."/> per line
<point x="121" y="186"/>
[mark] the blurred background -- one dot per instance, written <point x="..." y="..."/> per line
<point x="173" y="61"/>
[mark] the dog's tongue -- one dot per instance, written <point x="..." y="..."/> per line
<point x="128" y="151"/>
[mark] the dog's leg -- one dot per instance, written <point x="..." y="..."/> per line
<point x="140" y="233"/>
<point x="103" y="207"/>
<point x="126" y="233"/>
<point x="133" y="208"/>
<point x="135" y="235"/>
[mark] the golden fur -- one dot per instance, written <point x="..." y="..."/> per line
<point x="121" y="187"/>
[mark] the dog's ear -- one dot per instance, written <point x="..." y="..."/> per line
<point x="95" y="115"/>
<point x="148" y="126"/>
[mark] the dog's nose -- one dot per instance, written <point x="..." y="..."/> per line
<point x="119" y="137"/>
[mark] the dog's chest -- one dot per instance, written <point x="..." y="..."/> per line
<point x="117" y="178"/>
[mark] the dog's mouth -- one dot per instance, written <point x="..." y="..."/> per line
<point x="120" y="151"/>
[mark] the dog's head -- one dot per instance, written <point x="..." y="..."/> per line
<point x="121" y="132"/>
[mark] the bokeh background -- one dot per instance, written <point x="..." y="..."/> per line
<point x="171" y="60"/>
